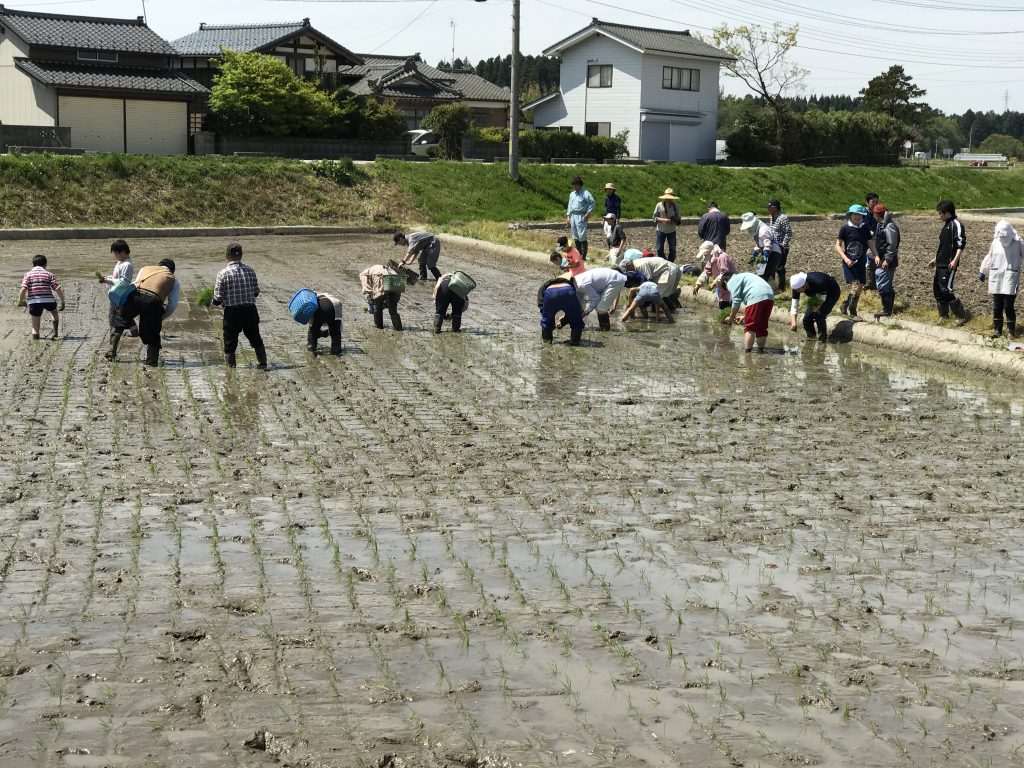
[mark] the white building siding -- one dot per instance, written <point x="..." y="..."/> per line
<point x="685" y="141"/>
<point x="23" y="101"/>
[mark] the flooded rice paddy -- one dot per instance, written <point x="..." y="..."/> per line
<point x="472" y="550"/>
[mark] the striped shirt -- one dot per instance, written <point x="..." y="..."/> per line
<point x="236" y="285"/>
<point x="39" y="286"/>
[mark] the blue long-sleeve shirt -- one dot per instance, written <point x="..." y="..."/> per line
<point x="580" y="204"/>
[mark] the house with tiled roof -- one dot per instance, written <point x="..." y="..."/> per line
<point x="660" y="85"/>
<point x="113" y="82"/>
<point x="415" y="87"/>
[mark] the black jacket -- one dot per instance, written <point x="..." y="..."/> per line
<point x="952" y="238"/>
<point x="555" y="281"/>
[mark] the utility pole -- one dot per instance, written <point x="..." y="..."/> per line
<point x="513" y="121"/>
<point x="453" y="43"/>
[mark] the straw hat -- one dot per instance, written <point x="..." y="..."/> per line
<point x="669" y="195"/>
<point x="749" y="220"/>
<point x="610" y="186"/>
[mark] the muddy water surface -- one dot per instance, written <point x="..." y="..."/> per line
<point x="473" y="550"/>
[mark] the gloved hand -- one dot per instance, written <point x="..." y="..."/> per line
<point x="981" y="276"/>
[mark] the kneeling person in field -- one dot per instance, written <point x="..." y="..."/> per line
<point x="756" y="293"/>
<point x="236" y="290"/>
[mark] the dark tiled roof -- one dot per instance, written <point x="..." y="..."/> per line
<point x="380" y="75"/>
<point x="76" y="76"/>
<point x="654" y="40"/>
<point x="210" y="38"/>
<point x="60" y="31"/>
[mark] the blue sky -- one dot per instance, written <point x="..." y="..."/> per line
<point x="967" y="55"/>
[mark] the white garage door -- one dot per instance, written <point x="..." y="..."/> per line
<point x="96" y="124"/>
<point x="157" y="127"/>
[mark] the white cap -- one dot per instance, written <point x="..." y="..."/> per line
<point x="610" y="216"/>
<point x="797" y="281"/>
<point x="749" y="219"/>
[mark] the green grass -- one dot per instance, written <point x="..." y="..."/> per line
<point x="460" y="193"/>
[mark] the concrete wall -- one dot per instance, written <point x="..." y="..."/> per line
<point x="312" y="149"/>
<point x="33" y="136"/>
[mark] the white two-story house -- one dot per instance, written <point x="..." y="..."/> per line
<point x="660" y="85"/>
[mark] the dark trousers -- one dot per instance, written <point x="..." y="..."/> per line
<point x="324" y="316"/>
<point x="561" y="298"/>
<point x="389" y="300"/>
<point x="816" y="321"/>
<point x="660" y="238"/>
<point x="942" y="285"/>
<point x="1003" y="303"/>
<point x="582" y="246"/>
<point x="149" y="309"/>
<point x="428" y="260"/>
<point x="773" y="267"/>
<point x="243" y="319"/>
<point x="447" y="298"/>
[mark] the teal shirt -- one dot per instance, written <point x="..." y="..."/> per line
<point x="747" y="288"/>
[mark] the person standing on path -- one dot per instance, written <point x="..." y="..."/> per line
<point x="821" y="292"/>
<point x="154" y="299"/>
<point x="1001" y="268"/>
<point x="371" y="280"/>
<point x="756" y="293"/>
<point x="40" y="291"/>
<point x="870" y="201"/>
<point x="666" y="219"/>
<point x="422" y="246"/>
<point x="714" y="226"/>
<point x="577" y="214"/>
<point x="887" y="243"/>
<point x="782" y="231"/>
<point x="236" y="290"/>
<point x="328" y="313"/>
<point x="612" y="202"/>
<point x="598" y="290"/>
<point x="952" y="242"/>
<point x="852" y="244"/>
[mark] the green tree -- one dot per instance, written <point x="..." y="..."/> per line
<point x="892" y="93"/>
<point x="1001" y="144"/>
<point x="761" y="63"/>
<point x="451" y="122"/>
<point x="256" y="95"/>
<point x="361" y="117"/>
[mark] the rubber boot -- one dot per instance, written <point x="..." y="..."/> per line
<point x="438" y="321"/>
<point x="396" y="321"/>
<point x="547" y="335"/>
<point x="604" y="322"/>
<point x="887" y="300"/>
<point x="229" y="359"/>
<point x="456" y="323"/>
<point x="115" y="339"/>
<point x="261" y="359"/>
<point x="56" y="328"/>
<point x="575" y="336"/>
<point x="943" y="308"/>
<point x="152" y="356"/>
<point x="783" y="285"/>
<point x="997" y="327"/>
<point x="1011" y="328"/>
<point x="854" y="301"/>
<point x="959" y="311"/>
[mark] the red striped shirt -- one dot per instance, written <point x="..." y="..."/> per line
<point x="39" y="286"/>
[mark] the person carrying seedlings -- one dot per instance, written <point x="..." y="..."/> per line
<point x="756" y="293"/>
<point x="852" y="244"/>
<point x="123" y="270"/>
<point x="666" y="219"/>
<point x="952" y="242"/>
<point x="566" y="257"/>
<point x="40" y="291"/>
<point x="661" y="271"/>
<point x="382" y="287"/>
<point x="647" y="296"/>
<point x="820" y="293"/>
<point x="422" y="246"/>
<point x="154" y="299"/>
<point x="559" y="295"/>
<point x="236" y="289"/>
<point x="1001" y="267"/>
<point x="782" y="231"/>
<point x="716" y="262"/>
<point x="598" y="290"/>
<point x="887" y="243"/>
<point x="446" y="297"/>
<point x="326" y="321"/>
<point x="767" y="252"/>
<point x="616" y="237"/>
<point x="577" y="214"/>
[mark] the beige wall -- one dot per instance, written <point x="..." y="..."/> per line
<point x="23" y="101"/>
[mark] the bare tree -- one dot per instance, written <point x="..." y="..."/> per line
<point x="761" y="62"/>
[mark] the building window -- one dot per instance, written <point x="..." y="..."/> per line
<point x="599" y="76"/>
<point x="598" y="129"/>
<point x="679" y="79"/>
<point x="108" y="56"/>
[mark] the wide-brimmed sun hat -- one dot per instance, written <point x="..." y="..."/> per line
<point x="610" y="186"/>
<point x="668" y="195"/>
<point x="798" y="281"/>
<point x="749" y="220"/>
<point x="860" y="210"/>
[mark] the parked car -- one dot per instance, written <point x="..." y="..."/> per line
<point x="421" y="141"/>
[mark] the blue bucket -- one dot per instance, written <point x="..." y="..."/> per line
<point x="303" y="306"/>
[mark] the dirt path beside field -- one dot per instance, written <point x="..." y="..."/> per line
<point x="472" y="550"/>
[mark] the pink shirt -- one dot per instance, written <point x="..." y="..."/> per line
<point x="572" y="261"/>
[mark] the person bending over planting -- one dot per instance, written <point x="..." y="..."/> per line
<point x="448" y="296"/>
<point x="382" y="287"/>
<point x="40" y="291"/>
<point x="647" y="296"/>
<point x="154" y="300"/>
<point x="820" y="292"/>
<point x="598" y="290"/>
<point x="422" y="246"/>
<point x="756" y="293"/>
<point x="559" y="295"/>
<point x="326" y="321"/>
